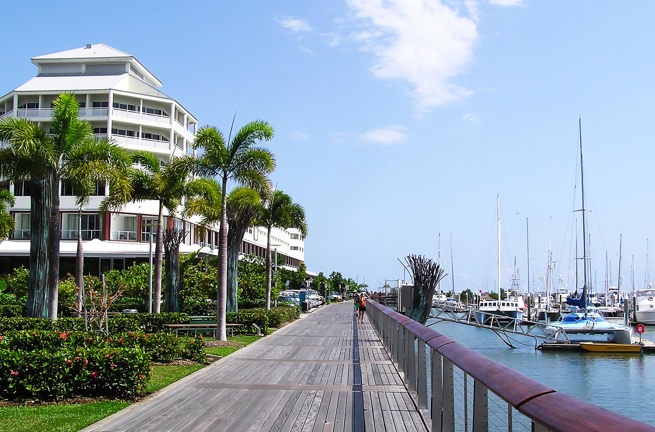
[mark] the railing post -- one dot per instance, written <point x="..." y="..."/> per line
<point x="436" y="386"/>
<point x="422" y="376"/>
<point x="448" y="397"/>
<point x="480" y="407"/>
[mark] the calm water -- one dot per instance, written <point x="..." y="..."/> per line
<point x="623" y="383"/>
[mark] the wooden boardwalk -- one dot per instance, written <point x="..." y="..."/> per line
<point x="323" y="372"/>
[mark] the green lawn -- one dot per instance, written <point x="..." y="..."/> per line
<point x="73" y="417"/>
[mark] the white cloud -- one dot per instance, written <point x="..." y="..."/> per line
<point x="506" y="3"/>
<point x="296" y="25"/>
<point x="390" y="135"/>
<point x="299" y="135"/>
<point x="471" y="118"/>
<point x="423" y="42"/>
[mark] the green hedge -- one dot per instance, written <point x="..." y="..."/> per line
<point x="160" y="347"/>
<point x="46" y="374"/>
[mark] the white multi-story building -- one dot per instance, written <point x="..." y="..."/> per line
<point x="121" y="99"/>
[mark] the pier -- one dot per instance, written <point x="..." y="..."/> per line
<point x="327" y="373"/>
<point x="323" y="372"/>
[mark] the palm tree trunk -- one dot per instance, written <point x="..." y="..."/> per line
<point x="158" y="260"/>
<point x="79" y="264"/>
<point x="222" y="268"/>
<point x="55" y="240"/>
<point x="234" y="237"/>
<point x="38" y="294"/>
<point x="268" y="268"/>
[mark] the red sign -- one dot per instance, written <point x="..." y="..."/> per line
<point x="640" y="328"/>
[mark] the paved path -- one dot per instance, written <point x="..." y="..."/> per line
<point x="323" y="372"/>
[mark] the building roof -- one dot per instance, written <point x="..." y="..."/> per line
<point x="96" y="53"/>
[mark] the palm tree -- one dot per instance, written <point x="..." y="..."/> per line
<point x="239" y="160"/>
<point x="39" y="157"/>
<point x="165" y="185"/>
<point x="6" y="220"/>
<point x="96" y="160"/>
<point x="242" y="209"/>
<point x="281" y="212"/>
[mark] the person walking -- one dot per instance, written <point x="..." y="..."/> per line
<point x="356" y="301"/>
<point x="362" y="306"/>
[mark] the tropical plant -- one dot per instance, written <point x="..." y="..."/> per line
<point x="41" y="158"/>
<point x="95" y="161"/>
<point x="243" y="205"/>
<point x="240" y="160"/>
<point x="166" y="185"/>
<point x="279" y="211"/>
<point x="6" y="219"/>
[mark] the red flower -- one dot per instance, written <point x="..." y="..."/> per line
<point x="120" y="340"/>
<point x="64" y="336"/>
<point x="114" y="365"/>
<point x="1" y="338"/>
<point x="76" y="359"/>
<point x="13" y="372"/>
<point x="68" y="361"/>
<point x="94" y="374"/>
<point x="141" y="377"/>
<point x="108" y="356"/>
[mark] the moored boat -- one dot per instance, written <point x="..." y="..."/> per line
<point x="645" y="306"/>
<point x="611" y="347"/>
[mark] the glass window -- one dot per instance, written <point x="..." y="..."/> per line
<point x="23" y="224"/>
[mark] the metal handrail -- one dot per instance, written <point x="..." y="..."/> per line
<point x="457" y="388"/>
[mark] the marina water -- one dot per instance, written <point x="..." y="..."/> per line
<point x="622" y="383"/>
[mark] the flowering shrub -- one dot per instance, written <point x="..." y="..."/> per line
<point x="45" y="374"/>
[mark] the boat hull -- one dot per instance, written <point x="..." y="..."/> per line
<point x="610" y="347"/>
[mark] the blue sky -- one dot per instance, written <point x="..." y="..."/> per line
<point x="399" y="122"/>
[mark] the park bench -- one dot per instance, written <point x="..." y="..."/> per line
<point x="200" y="326"/>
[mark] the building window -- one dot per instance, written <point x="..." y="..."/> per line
<point x="90" y="226"/>
<point x="102" y="104"/>
<point x="23" y="225"/>
<point x="101" y="186"/>
<point x="148" y="227"/>
<point x="125" y="107"/>
<point x="67" y="188"/>
<point x="29" y="105"/>
<point x="123" y="132"/>
<point x="154" y="111"/>
<point x="22" y="188"/>
<point x="100" y="130"/>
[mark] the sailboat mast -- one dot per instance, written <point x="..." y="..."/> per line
<point x="498" y="221"/>
<point x="527" y="247"/>
<point x="584" y="221"/>
<point x="452" y="263"/>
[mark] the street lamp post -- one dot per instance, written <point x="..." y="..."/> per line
<point x="150" y="269"/>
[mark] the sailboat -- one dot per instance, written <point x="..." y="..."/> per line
<point x="586" y="323"/>
<point x="508" y="309"/>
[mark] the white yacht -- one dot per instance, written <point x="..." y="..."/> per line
<point x="645" y="306"/>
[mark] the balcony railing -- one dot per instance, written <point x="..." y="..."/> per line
<point x="35" y="113"/>
<point x="86" y="234"/>
<point x="124" y="235"/>
<point x="141" y="116"/>
<point x="458" y="389"/>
